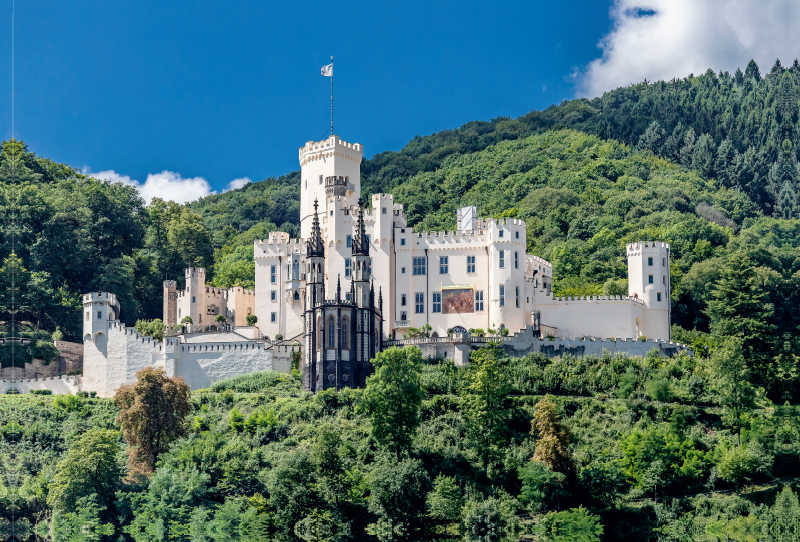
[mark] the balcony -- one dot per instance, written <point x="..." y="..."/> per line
<point x="337" y="186"/>
<point x="402" y="323"/>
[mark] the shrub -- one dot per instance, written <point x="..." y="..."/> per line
<point x="42" y="392"/>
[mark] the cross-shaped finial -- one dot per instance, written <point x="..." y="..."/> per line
<point x="316" y="204"/>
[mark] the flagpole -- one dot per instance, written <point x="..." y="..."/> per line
<point x="331" y="96"/>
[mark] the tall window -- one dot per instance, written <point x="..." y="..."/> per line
<point x="650" y="279"/>
<point x="443" y="265"/>
<point x="502" y="296"/>
<point x="320" y="179"/>
<point x="663" y="262"/>
<point x="516" y="260"/>
<point x="650" y="261"/>
<point x="479" y="300"/>
<point x="331" y="333"/>
<point x="517" y="234"/>
<point x="419" y="303"/>
<point x="500" y="233"/>
<point x="517" y="296"/>
<point x="403" y="300"/>
<point x="437" y="302"/>
<point x="348" y="267"/>
<point x="658" y="296"/>
<point x="502" y="258"/>
<point x="419" y="266"/>
<point x="403" y="241"/>
<point x="274" y="273"/>
<point x="296" y="270"/>
<point x="343" y="338"/>
<point x="403" y="316"/>
<point x="273" y="295"/>
<point x="273" y="317"/>
<point x="349" y="241"/>
<point x="470" y="264"/>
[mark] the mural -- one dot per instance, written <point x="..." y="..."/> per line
<point x="457" y="301"/>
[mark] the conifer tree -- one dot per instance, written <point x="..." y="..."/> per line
<point x="552" y="438"/>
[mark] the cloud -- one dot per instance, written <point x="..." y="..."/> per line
<point x="166" y="185"/>
<point x="237" y="183"/>
<point x="662" y="39"/>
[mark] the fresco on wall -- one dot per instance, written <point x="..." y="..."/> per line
<point x="458" y="301"/>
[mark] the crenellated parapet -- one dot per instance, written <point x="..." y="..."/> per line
<point x="330" y="147"/>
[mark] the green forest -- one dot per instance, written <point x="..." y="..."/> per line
<point x="564" y="449"/>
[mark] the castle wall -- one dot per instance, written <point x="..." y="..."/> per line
<point x="594" y="316"/>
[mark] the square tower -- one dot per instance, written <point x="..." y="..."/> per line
<point x="329" y="168"/>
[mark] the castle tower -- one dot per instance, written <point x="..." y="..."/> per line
<point x="329" y="168"/>
<point x="361" y="263"/>
<point x="649" y="281"/>
<point x="196" y="295"/>
<point x="170" y="303"/>
<point x="99" y="308"/>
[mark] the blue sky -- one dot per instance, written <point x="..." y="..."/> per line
<point x="210" y="92"/>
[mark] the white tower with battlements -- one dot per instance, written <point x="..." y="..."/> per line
<point x="649" y="281"/>
<point x="329" y="168"/>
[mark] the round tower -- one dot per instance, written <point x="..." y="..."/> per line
<point x="649" y="281"/>
<point x="99" y="308"/>
<point x="329" y="168"/>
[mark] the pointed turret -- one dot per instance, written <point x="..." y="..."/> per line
<point x="360" y="241"/>
<point x="315" y="246"/>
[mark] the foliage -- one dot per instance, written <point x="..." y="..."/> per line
<point x="152" y="413"/>
<point x="151" y="328"/>
<point x="576" y="525"/>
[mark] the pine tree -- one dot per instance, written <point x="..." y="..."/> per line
<point x="725" y="164"/>
<point x="752" y="71"/>
<point x="552" y="438"/>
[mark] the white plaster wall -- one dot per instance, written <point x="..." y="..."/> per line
<point x="591" y="316"/>
<point x="200" y="368"/>
<point x="59" y="386"/>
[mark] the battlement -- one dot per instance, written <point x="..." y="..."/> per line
<point x="646" y="247"/>
<point x="278" y="244"/>
<point x="97" y="297"/>
<point x="315" y="150"/>
<point x="195" y="272"/>
<point x="592" y="298"/>
<point x="170" y="284"/>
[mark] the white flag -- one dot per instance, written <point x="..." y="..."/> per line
<point x="327" y="71"/>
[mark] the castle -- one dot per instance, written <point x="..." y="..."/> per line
<point x="360" y="279"/>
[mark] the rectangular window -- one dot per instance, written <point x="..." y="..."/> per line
<point x="419" y="303"/>
<point x="516" y="260"/>
<point x="273" y="295"/>
<point x="502" y="259"/>
<point x="650" y="261"/>
<point x="383" y="210"/>
<point x="479" y="300"/>
<point x="502" y="296"/>
<point x="517" y="296"/>
<point x="320" y="179"/>
<point x="194" y="299"/>
<point x="348" y="267"/>
<point x="274" y="273"/>
<point x="658" y="296"/>
<point x="347" y="296"/>
<point x="516" y="234"/>
<point x="403" y="242"/>
<point x="664" y="279"/>
<point x="437" y="302"/>
<point x="419" y="266"/>
<point x="349" y="241"/>
<point x="500" y="233"/>
<point x="470" y="264"/>
<point x="403" y="300"/>
<point x="403" y="316"/>
<point x="443" y="265"/>
<point x="273" y="317"/>
<point x="403" y="270"/>
<point x="650" y="279"/>
<point x="663" y="262"/>
<point x="99" y="315"/>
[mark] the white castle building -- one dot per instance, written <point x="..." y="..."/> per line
<point x="360" y="278"/>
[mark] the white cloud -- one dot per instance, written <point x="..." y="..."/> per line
<point x="662" y="39"/>
<point x="166" y="185"/>
<point x="237" y="183"/>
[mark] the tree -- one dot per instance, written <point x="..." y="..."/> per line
<point x="220" y="319"/>
<point x="782" y="520"/>
<point x="490" y="520"/>
<point x="91" y="466"/>
<point x="325" y="453"/>
<point x="740" y="308"/>
<point x="445" y="500"/>
<point x="484" y="403"/>
<point x="152" y="415"/>
<point x="152" y="328"/>
<point x="752" y="71"/>
<point x="576" y="525"/>
<point x="82" y="523"/>
<point x="397" y="498"/>
<point x="732" y="382"/>
<point x="552" y="438"/>
<point x="541" y="487"/>
<point x="251" y="319"/>
<point x="737" y="465"/>
<point x="393" y="397"/>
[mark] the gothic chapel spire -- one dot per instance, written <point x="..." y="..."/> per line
<point x="315" y="246"/>
<point x="360" y="242"/>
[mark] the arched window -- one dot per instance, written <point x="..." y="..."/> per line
<point x="320" y="336"/>
<point x="331" y="333"/>
<point x="343" y="339"/>
<point x="297" y="294"/>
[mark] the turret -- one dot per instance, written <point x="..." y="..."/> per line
<point x="361" y="263"/>
<point x="99" y="308"/>
<point x="649" y="281"/>
<point x="170" y="303"/>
